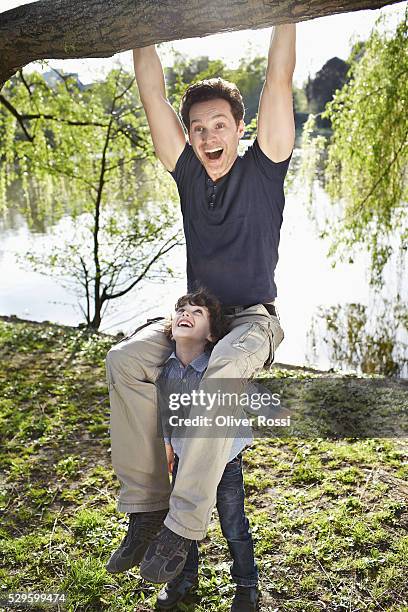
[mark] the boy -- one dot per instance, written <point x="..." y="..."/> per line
<point x="197" y="325"/>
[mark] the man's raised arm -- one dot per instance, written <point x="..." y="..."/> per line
<point x="167" y="133"/>
<point x="276" y="124"/>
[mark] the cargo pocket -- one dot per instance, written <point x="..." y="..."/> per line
<point x="251" y="340"/>
<point x="254" y="342"/>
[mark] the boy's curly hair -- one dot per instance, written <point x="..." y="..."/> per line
<point x="219" y="324"/>
<point x="212" y="89"/>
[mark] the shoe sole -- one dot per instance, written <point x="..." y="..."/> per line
<point x="145" y="575"/>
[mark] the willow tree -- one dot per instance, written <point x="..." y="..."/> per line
<point x="82" y="154"/>
<point x="367" y="155"/>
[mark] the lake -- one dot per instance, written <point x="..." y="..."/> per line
<point x="332" y="318"/>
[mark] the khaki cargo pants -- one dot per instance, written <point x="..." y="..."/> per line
<point x="138" y="453"/>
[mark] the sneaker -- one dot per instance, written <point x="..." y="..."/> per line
<point x="165" y="557"/>
<point x="176" y="591"/>
<point x="142" y="528"/>
<point x="246" y="599"/>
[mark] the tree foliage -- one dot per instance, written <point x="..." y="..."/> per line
<point x="366" y="166"/>
<point x="321" y="88"/>
<point x="249" y="77"/>
<point x="49" y="134"/>
<point x="79" y="153"/>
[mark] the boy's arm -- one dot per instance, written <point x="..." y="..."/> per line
<point x="167" y="132"/>
<point x="276" y="125"/>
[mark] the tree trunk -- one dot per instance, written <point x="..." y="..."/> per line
<point x="57" y="29"/>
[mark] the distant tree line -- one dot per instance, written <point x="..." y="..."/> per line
<point x="249" y="76"/>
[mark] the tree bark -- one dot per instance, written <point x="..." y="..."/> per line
<point x="61" y="29"/>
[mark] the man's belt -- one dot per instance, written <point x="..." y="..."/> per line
<point x="233" y="310"/>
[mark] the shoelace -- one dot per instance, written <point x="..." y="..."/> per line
<point x="145" y="524"/>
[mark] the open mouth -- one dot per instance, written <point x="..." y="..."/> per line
<point x="214" y="153"/>
<point x="185" y="323"/>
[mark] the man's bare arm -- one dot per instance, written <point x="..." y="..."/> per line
<point x="276" y="124"/>
<point x="167" y="132"/>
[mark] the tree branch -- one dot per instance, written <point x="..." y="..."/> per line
<point x="101" y="28"/>
<point x="61" y="120"/>
<point x="17" y="115"/>
<point x="30" y="117"/>
<point x="124" y="92"/>
<point x="162" y="251"/>
<point x="386" y="170"/>
<point x="85" y="269"/>
<point x="26" y="85"/>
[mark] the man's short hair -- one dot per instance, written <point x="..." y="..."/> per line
<point x="219" y="324"/>
<point x="212" y="89"/>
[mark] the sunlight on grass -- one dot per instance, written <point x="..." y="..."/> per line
<point x="328" y="517"/>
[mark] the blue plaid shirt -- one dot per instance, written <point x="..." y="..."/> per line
<point x="192" y="375"/>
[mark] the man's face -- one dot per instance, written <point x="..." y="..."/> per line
<point x="214" y="136"/>
<point x="192" y="324"/>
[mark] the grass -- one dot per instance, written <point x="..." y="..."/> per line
<point x="329" y="517"/>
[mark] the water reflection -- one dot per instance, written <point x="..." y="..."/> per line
<point x="40" y="210"/>
<point x="366" y="342"/>
<point x="352" y="328"/>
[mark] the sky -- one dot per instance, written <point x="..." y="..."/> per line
<point x="317" y="41"/>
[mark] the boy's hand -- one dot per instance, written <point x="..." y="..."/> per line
<point x="170" y="457"/>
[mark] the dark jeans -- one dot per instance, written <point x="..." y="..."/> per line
<point x="234" y="526"/>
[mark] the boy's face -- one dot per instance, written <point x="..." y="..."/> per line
<point x="191" y="323"/>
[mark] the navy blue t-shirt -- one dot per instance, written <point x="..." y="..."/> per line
<point x="232" y="225"/>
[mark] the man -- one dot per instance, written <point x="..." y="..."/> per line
<point x="232" y="213"/>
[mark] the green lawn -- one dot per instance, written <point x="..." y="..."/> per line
<point x="329" y="517"/>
